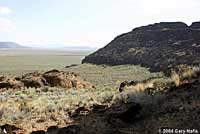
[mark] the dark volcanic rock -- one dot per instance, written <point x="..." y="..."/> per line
<point x="158" y="46"/>
<point x="56" y="78"/>
<point x="6" y="82"/>
<point x="33" y="80"/>
<point x="10" y="129"/>
<point x="177" y="108"/>
<point x="195" y="25"/>
<point x="38" y="132"/>
<point x="53" y="78"/>
<point x="71" y="129"/>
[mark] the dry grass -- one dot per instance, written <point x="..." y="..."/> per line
<point x="35" y="109"/>
<point x="50" y="106"/>
<point x="112" y="76"/>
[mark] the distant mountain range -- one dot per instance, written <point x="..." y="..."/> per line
<point x="59" y="47"/>
<point x="10" y="45"/>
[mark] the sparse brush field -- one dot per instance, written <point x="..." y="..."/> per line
<point x="35" y="109"/>
<point x="112" y="76"/>
<point x="18" y="61"/>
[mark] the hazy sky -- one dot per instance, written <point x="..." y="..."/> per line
<point x="86" y="22"/>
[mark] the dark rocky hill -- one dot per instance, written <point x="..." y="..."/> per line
<point x="10" y="45"/>
<point x="158" y="46"/>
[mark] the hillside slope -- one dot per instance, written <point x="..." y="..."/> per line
<point x="10" y="45"/>
<point x="158" y="46"/>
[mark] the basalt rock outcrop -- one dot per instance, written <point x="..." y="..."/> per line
<point x="11" y="129"/>
<point x="177" y="108"/>
<point x="53" y="78"/>
<point x="158" y="46"/>
<point x="7" y="82"/>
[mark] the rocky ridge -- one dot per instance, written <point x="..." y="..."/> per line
<point x="52" y="78"/>
<point x="159" y="46"/>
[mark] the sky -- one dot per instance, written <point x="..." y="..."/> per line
<point x="93" y="23"/>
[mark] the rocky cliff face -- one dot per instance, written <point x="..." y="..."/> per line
<point x="158" y="46"/>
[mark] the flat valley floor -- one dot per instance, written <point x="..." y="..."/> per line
<point x="17" y="61"/>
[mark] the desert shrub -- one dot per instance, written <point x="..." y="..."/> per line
<point x="184" y="73"/>
<point x="31" y="104"/>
